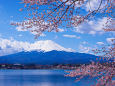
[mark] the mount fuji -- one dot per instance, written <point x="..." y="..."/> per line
<point x="13" y="46"/>
<point x="44" y="52"/>
<point x="46" y="46"/>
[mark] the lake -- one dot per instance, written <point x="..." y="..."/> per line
<point x="40" y="78"/>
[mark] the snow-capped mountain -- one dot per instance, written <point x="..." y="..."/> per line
<point x="46" y="46"/>
<point x="8" y="46"/>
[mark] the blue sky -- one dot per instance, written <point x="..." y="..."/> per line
<point x="80" y="38"/>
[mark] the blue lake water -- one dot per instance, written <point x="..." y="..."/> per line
<point x="40" y="78"/>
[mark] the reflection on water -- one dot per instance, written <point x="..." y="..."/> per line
<point x="39" y="78"/>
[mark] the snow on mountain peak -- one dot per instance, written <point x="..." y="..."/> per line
<point x="48" y="45"/>
<point x="12" y="46"/>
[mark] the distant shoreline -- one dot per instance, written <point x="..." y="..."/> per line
<point x="34" y="66"/>
<point x="39" y="66"/>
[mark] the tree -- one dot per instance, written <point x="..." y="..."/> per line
<point x="105" y="72"/>
<point x="49" y="15"/>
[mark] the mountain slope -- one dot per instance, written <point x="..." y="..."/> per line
<point x="51" y="57"/>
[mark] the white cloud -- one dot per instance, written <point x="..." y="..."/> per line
<point x="94" y="4"/>
<point x="84" y="42"/>
<point x="110" y="40"/>
<point x="20" y="35"/>
<point x="93" y="26"/>
<point x="77" y="3"/>
<point x="20" y="28"/>
<point x="8" y="46"/>
<point x="84" y="49"/>
<point x="61" y="30"/>
<point x="87" y="48"/>
<point x="36" y="28"/>
<point x="11" y="38"/>
<point x="71" y="36"/>
<point x="88" y="5"/>
<point x="41" y="35"/>
<point x="100" y="43"/>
